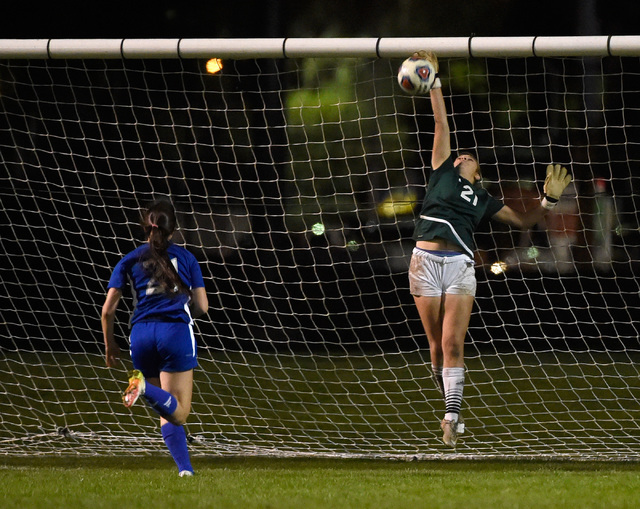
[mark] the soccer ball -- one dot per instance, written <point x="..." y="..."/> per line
<point x="416" y="76"/>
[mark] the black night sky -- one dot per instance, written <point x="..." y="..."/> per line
<point x="293" y="18"/>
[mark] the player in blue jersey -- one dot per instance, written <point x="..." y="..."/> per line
<point x="168" y="292"/>
<point x="442" y="275"/>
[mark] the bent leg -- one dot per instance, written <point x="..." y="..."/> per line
<point x="180" y="386"/>
<point x="170" y="395"/>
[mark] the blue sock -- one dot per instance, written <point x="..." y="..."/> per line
<point x="160" y="400"/>
<point x="176" y="440"/>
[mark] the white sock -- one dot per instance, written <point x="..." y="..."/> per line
<point x="453" y="380"/>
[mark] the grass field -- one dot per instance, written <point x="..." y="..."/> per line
<point x="531" y="406"/>
<point x="555" y="405"/>
<point x="224" y="482"/>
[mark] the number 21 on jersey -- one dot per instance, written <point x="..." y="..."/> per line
<point x="468" y="195"/>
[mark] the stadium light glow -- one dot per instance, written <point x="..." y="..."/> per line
<point x="499" y="267"/>
<point x="214" y="65"/>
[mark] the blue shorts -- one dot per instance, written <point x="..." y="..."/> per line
<point x="163" y="346"/>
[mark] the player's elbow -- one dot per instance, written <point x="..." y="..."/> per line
<point x="199" y="303"/>
<point x="527" y="224"/>
<point x="516" y="219"/>
<point x="519" y="222"/>
<point x="111" y="304"/>
<point x="198" y="311"/>
<point x="529" y="219"/>
<point x="108" y="312"/>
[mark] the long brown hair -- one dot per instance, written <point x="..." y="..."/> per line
<point x="159" y="223"/>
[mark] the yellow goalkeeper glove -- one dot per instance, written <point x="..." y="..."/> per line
<point x="555" y="183"/>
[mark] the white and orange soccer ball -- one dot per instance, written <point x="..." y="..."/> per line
<point x="416" y="76"/>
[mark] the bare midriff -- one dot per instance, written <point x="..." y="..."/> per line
<point x="438" y="244"/>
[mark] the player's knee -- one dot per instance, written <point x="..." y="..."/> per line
<point x="179" y="417"/>
<point x="453" y="352"/>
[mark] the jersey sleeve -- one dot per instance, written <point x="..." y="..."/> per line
<point x="493" y="206"/>
<point x="447" y="164"/>
<point x="119" y="276"/>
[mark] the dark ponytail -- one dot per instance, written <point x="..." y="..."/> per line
<point x="159" y="223"/>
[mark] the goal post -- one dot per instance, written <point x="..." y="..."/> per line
<point x="297" y="171"/>
<point x="351" y="47"/>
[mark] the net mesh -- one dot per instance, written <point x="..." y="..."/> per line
<point x="297" y="183"/>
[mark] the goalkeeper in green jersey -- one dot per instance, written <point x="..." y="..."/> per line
<point x="441" y="275"/>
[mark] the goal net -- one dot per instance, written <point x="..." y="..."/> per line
<point x="297" y="181"/>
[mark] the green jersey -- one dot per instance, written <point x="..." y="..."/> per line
<point x="453" y="207"/>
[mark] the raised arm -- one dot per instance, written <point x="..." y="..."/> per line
<point x="441" y="136"/>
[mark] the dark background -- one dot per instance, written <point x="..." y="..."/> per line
<point x="332" y="18"/>
<point x="344" y="309"/>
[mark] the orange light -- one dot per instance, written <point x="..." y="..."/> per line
<point x="214" y="65"/>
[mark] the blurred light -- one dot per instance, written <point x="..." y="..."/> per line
<point x="214" y="65"/>
<point x="352" y="245"/>
<point x="317" y="229"/>
<point x="399" y="202"/>
<point x="533" y="252"/>
<point x="499" y="267"/>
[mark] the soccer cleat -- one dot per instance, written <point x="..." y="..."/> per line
<point x="185" y="473"/>
<point x="449" y="432"/>
<point x="135" y="389"/>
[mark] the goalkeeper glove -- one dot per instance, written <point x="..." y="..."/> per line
<point x="433" y="60"/>
<point x="554" y="184"/>
<point x="431" y="57"/>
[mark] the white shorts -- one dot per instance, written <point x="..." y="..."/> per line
<point x="431" y="275"/>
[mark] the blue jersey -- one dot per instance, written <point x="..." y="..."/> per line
<point x="151" y="303"/>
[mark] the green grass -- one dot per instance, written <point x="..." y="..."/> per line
<point x="548" y="405"/>
<point x="226" y="482"/>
